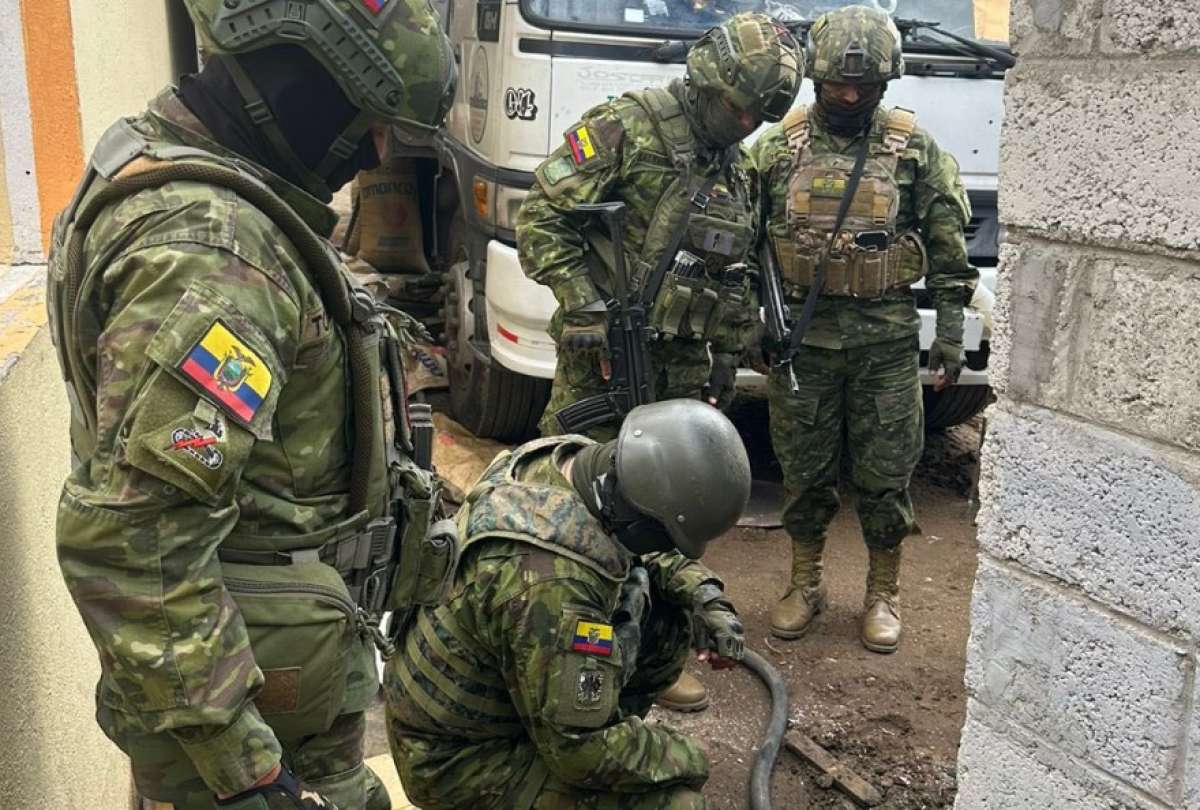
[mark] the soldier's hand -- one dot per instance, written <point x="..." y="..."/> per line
<point x="284" y="792"/>
<point x="585" y="328"/>
<point x="946" y="361"/>
<point x="722" y="379"/>
<point x="719" y="635"/>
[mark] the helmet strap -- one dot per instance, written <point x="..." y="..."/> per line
<point x="345" y="145"/>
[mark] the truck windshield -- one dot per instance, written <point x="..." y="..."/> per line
<point x="979" y="19"/>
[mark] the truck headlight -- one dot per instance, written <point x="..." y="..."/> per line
<point x="497" y="204"/>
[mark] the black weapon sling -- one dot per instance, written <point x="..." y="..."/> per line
<point x="810" y="303"/>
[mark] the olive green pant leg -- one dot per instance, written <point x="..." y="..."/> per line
<point x="807" y="435"/>
<point x="662" y="655"/>
<point x="885" y="430"/>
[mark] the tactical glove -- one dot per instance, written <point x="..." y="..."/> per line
<point x="285" y="793"/>
<point x="717" y="626"/>
<point x="586" y="328"/>
<point x="721" y="380"/>
<point x="947" y="356"/>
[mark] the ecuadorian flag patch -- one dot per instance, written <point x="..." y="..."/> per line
<point x="580" y="141"/>
<point x="229" y="370"/>
<point x="593" y="637"/>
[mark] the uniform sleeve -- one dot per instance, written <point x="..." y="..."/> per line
<point x="191" y="360"/>
<point x="943" y="211"/>
<point x="676" y="577"/>
<point x="562" y="665"/>
<point x="582" y="169"/>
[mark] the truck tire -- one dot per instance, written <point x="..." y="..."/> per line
<point x="487" y="399"/>
<point x="955" y="405"/>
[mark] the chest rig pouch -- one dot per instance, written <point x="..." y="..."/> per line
<point x="867" y="257"/>
<point x="702" y="226"/>
<point x="394" y="551"/>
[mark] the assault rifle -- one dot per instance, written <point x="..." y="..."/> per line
<point x="629" y="386"/>
<point x="775" y="310"/>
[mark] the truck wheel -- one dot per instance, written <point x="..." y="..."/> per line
<point x="486" y="398"/>
<point x="955" y="405"/>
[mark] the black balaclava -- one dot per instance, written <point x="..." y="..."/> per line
<point x="848" y="120"/>
<point x="307" y="103"/>
<point x="594" y="477"/>
<point x="712" y="124"/>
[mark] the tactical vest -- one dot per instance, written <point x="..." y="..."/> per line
<point x="445" y="670"/>
<point x="867" y="257"/>
<point x="392" y="500"/>
<point x="693" y="300"/>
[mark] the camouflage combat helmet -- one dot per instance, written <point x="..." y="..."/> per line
<point x="750" y="61"/>
<point x="683" y="463"/>
<point x="855" y="45"/>
<point x="390" y="57"/>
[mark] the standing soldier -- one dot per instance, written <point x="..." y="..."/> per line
<point x="857" y="370"/>
<point x="240" y="458"/>
<point x="570" y="610"/>
<point x="668" y="154"/>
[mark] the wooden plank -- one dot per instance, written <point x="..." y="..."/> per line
<point x="860" y="791"/>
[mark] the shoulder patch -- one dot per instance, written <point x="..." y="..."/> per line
<point x="229" y="370"/>
<point x="580" y="142"/>
<point x="558" y="169"/>
<point x="593" y="637"/>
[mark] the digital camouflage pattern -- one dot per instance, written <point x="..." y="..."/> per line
<point x="255" y="456"/>
<point x="837" y="39"/>
<point x="392" y="59"/>
<point x="858" y="367"/>
<point x="509" y="695"/>
<point x="630" y="162"/>
<point x="752" y="62"/>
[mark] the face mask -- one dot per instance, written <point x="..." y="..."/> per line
<point x="716" y="124"/>
<point x="847" y="119"/>
<point x="593" y="478"/>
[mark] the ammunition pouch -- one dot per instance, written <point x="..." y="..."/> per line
<point x="851" y="270"/>
<point x="693" y="307"/>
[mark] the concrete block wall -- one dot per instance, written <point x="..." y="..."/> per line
<point x="1085" y="625"/>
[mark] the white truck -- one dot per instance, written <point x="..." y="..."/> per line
<point x="531" y="68"/>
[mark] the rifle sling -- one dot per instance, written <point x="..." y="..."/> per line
<point x="810" y="303"/>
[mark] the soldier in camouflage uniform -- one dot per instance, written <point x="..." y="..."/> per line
<point x="857" y="370"/>
<point x="571" y="609"/>
<point x="206" y="332"/>
<point x="668" y="153"/>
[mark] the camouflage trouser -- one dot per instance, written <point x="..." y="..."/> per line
<point x="331" y="763"/>
<point x="441" y="773"/>
<point x="678" y="368"/>
<point x="866" y="400"/>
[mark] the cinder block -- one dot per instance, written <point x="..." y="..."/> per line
<point x="1094" y="150"/>
<point x="1006" y="769"/>
<point x="1098" y="511"/>
<point x="1053" y="28"/>
<point x="1108" y="336"/>
<point x="1092" y="684"/>
<point x="1192" y="769"/>
<point x="1161" y="28"/>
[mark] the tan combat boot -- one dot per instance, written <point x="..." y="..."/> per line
<point x="687" y="694"/>
<point x="793" y="615"/>
<point x="881" y="616"/>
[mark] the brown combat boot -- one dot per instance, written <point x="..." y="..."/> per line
<point x="881" y="616"/>
<point x="687" y="694"/>
<point x="793" y="615"/>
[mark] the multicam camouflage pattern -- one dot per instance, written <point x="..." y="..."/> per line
<point x="864" y="401"/>
<point x="487" y="697"/>
<point x="631" y="164"/>
<point x="391" y="58"/>
<point x="143" y="512"/>
<point x="750" y="61"/>
<point x="855" y="45"/>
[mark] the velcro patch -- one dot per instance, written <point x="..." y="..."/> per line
<point x="224" y="366"/>
<point x="593" y="637"/>
<point x="580" y="141"/>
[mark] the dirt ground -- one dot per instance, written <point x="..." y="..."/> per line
<point x="894" y="719"/>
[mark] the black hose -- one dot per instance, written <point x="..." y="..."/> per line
<point x="764" y="760"/>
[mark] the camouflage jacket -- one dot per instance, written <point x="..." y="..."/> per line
<point x="932" y="202"/>
<point x="221" y="414"/>
<point x="616" y="154"/>
<point x="525" y="646"/>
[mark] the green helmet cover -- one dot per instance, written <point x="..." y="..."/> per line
<point x="390" y="57"/>
<point x="751" y="61"/>
<point x="683" y="463"/>
<point x="855" y="45"/>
